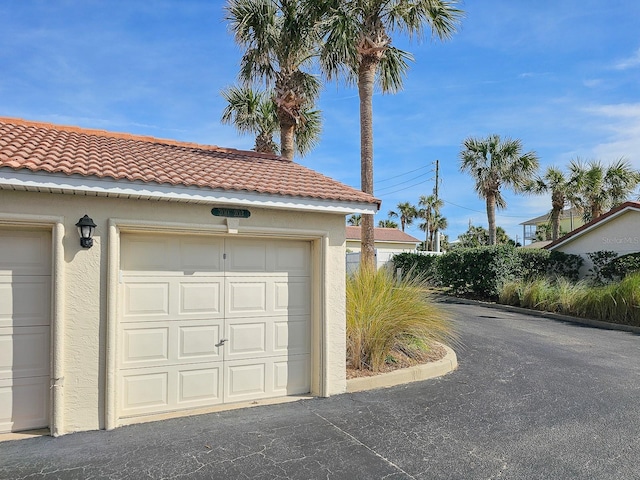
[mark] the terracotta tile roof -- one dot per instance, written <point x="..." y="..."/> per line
<point x="383" y="235"/>
<point x="593" y="224"/>
<point x="42" y="147"/>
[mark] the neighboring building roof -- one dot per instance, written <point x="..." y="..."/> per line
<point x="539" y="244"/>
<point x="383" y="235"/>
<point x="31" y="149"/>
<point x="595" y="223"/>
<point x="567" y="213"/>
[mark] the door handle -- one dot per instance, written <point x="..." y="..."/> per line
<point x="221" y="342"/>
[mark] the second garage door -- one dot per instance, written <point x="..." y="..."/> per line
<point x="207" y="320"/>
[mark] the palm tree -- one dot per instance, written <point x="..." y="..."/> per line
<point x="599" y="188"/>
<point x="251" y="111"/>
<point x="357" y="46"/>
<point x="254" y="111"/>
<point x="354" y="220"/>
<point x="431" y="207"/>
<point x="555" y="182"/>
<point x="438" y="224"/>
<point x="494" y="164"/>
<point x="280" y="38"/>
<point x="406" y="212"/>
<point x="388" y="223"/>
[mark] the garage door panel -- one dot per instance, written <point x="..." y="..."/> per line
<point x="25" y="252"/>
<point x="246" y="256"/>
<point x="292" y="296"/>
<point x="200" y="387"/>
<point x="246" y="296"/>
<point x="266" y="296"/>
<point x="164" y="389"/>
<point x="246" y="338"/>
<point x="145" y="391"/>
<point x="24" y="352"/>
<point x="146" y="299"/>
<point x="290" y="375"/>
<point x="164" y="253"/>
<point x="200" y="297"/>
<point x="245" y="381"/>
<point x="24" y="404"/>
<point x="199" y="342"/>
<point x="145" y="345"/>
<point x="291" y="336"/>
<point x="24" y="300"/>
<point x="201" y="254"/>
<point x="292" y="258"/>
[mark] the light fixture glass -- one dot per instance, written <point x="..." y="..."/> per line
<point x="86" y="228"/>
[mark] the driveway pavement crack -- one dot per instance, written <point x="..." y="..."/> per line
<point x="354" y="439"/>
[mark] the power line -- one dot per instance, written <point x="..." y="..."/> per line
<point x="402" y="189"/>
<point x="400" y="175"/>
<point x="480" y="211"/>
<point x="402" y="183"/>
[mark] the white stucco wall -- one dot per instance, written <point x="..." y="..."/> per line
<point x="85" y="289"/>
<point x="620" y="234"/>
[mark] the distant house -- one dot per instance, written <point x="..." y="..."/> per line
<point x="570" y="219"/>
<point x="388" y="242"/>
<point x="618" y="230"/>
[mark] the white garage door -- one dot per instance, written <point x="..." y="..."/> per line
<point x="207" y="320"/>
<point x="25" y="293"/>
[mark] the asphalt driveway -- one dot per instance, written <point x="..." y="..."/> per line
<point x="532" y="399"/>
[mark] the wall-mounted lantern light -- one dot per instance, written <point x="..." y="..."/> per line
<point x="85" y="229"/>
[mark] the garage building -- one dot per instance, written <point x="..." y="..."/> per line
<point x="215" y="279"/>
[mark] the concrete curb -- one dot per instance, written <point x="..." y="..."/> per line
<point x="406" y="375"/>
<point x="539" y="313"/>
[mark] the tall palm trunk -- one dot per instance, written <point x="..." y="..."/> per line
<point x="287" y="145"/>
<point x="366" y="77"/>
<point x="491" y="217"/>
<point x="557" y="204"/>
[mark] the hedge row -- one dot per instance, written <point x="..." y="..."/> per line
<point x="482" y="271"/>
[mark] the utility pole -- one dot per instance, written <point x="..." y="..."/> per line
<point x="435" y="192"/>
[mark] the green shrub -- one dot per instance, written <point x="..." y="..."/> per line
<point x="384" y="314"/>
<point x="544" y="263"/>
<point x="620" y="267"/>
<point x="480" y="271"/>
<point x="533" y="262"/>
<point x="600" y="260"/>
<point x="566" y="265"/>
<point x="424" y="266"/>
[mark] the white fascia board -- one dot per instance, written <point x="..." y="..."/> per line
<point x="94" y="186"/>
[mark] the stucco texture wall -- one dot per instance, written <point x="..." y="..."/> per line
<point x="620" y="234"/>
<point x="86" y="293"/>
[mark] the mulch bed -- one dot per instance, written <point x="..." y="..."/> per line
<point x="435" y="353"/>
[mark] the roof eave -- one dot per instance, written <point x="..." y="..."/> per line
<point x="93" y="186"/>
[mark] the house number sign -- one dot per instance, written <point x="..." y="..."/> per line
<point x="230" y="212"/>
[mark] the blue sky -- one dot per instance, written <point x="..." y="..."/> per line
<point x="563" y="76"/>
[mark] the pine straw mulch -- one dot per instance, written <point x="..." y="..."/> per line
<point x="435" y="353"/>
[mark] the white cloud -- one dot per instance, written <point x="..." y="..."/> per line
<point x="622" y="123"/>
<point x="630" y="62"/>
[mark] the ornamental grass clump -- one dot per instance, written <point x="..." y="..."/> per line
<point x="386" y="314"/>
<point x="617" y="302"/>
